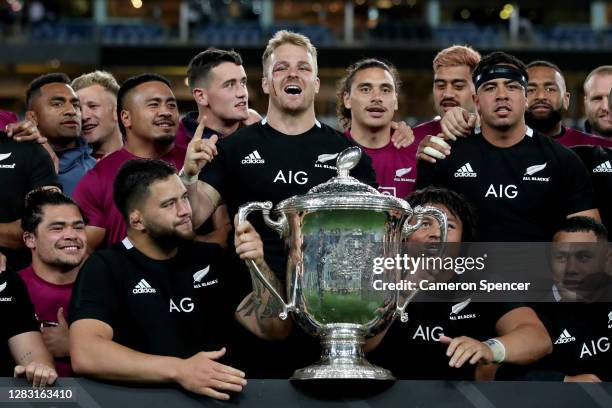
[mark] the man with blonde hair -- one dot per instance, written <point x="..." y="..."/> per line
<point x="97" y="92"/>
<point x="285" y="154"/>
<point x="597" y="86"/>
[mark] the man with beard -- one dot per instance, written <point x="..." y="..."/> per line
<point x="55" y="110"/>
<point x="597" y="86"/>
<point x="151" y="307"/>
<point x="148" y="117"/>
<point x="531" y="170"/>
<point x="97" y="92"/>
<point x="365" y="104"/>
<point x="54" y="231"/>
<point x="548" y="100"/>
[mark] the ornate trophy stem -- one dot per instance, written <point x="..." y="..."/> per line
<point x="342" y="357"/>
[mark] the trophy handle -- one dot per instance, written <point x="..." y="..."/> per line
<point x="421" y="213"/>
<point x="407" y="229"/>
<point x="280" y="226"/>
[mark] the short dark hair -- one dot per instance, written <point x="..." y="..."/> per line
<point x="35" y="201"/>
<point x="34" y="86"/>
<point x="499" y="58"/>
<point x="132" y="83"/>
<point x="201" y="65"/>
<point x="543" y="63"/>
<point x="456" y="203"/>
<point x="345" y="83"/>
<point x="583" y="224"/>
<point x="131" y="185"/>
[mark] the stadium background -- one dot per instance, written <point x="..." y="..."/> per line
<point x="127" y="37"/>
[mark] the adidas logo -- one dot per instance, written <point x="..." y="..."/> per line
<point x="143" y="287"/>
<point x="253" y="158"/>
<point x="604" y="167"/>
<point x="465" y="171"/>
<point x="565" y="337"/>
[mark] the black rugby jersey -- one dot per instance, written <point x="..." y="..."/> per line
<point x="522" y="192"/>
<point x="176" y="307"/>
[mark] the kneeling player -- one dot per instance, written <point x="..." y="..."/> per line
<point x="156" y="307"/>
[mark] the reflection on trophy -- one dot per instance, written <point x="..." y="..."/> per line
<point x="333" y="234"/>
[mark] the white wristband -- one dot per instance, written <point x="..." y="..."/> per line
<point x="187" y="181"/>
<point x="498" y="349"/>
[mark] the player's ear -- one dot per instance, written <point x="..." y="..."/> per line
<point x="29" y="239"/>
<point x="346" y="98"/>
<point x="136" y="221"/>
<point x="265" y="85"/>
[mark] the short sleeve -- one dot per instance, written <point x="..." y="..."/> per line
<point x="18" y="310"/>
<point x="578" y="191"/>
<point x="88" y="194"/>
<point x="42" y="168"/>
<point x="94" y="295"/>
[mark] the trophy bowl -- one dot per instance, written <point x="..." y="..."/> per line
<point x="334" y="234"/>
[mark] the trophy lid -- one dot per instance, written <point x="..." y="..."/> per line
<point x="343" y="192"/>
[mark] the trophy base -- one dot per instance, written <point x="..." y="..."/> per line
<point x="343" y="357"/>
<point x="359" y="370"/>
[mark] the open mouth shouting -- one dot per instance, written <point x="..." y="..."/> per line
<point x="292" y="89"/>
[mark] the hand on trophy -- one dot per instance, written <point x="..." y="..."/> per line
<point x="247" y="241"/>
<point x="462" y="349"/>
<point x="199" y="151"/>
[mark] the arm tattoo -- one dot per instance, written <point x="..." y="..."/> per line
<point x="25" y="358"/>
<point x="260" y="302"/>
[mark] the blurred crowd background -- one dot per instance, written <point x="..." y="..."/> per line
<point x="128" y="37"/>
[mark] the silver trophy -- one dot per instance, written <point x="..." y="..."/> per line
<point x="333" y="235"/>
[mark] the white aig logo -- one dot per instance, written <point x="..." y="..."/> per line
<point x="502" y="191"/>
<point x="291" y="177"/>
<point x="428" y="334"/>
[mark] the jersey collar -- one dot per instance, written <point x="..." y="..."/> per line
<point x="529" y="131"/>
<point x="265" y="120"/>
